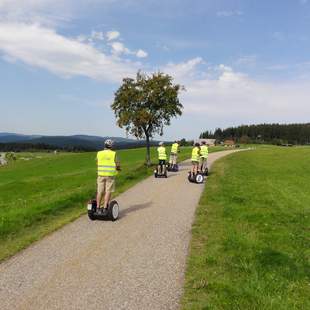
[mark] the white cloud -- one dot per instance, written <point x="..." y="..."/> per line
<point x="112" y="35"/>
<point x="45" y="12"/>
<point x="225" y="96"/>
<point x="97" y="35"/>
<point x="141" y="54"/>
<point x="119" y="48"/>
<point x="229" y="13"/>
<point x="183" y="71"/>
<point x="44" y="48"/>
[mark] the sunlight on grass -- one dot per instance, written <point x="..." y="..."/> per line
<point x="250" y="248"/>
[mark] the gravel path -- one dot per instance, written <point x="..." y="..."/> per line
<point x="137" y="262"/>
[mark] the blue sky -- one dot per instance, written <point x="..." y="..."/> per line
<point x="241" y="61"/>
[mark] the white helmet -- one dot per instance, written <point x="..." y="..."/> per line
<point x="161" y="143"/>
<point x="108" y="143"/>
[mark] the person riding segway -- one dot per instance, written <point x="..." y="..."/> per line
<point x="107" y="166"/>
<point x="195" y="175"/>
<point x="204" y="152"/>
<point x="161" y="170"/>
<point x="173" y="166"/>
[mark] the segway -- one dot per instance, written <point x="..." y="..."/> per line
<point x="173" y="168"/>
<point x="161" y="173"/>
<point x="205" y="172"/>
<point x="195" y="178"/>
<point x="111" y="213"/>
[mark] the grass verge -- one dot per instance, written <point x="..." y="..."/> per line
<point x="250" y="239"/>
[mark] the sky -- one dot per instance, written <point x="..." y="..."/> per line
<point x="241" y="62"/>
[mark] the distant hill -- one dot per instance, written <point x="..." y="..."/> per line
<point x="83" y="142"/>
<point x="14" y="137"/>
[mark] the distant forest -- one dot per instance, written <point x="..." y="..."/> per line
<point x="20" y="147"/>
<point x="263" y="133"/>
<point x="32" y="147"/>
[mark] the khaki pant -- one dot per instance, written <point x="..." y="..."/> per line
<point x="195" y="166"/>
<point x="104" y="184"/>
<point x="173" y="159"/>
<point x="203" y="163"/>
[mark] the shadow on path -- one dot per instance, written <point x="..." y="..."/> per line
<point x="134" y="208"/>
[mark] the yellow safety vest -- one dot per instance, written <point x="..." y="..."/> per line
<point x="195" y="154"/>
<point x="162" y="153"/>
<point x="106" y="163"/>
<point x="174" y="148"/>
<point x="204" y="151"/>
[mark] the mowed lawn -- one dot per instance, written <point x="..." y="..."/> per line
<point x="250" y="247"/>
<point x="47" y="191"/>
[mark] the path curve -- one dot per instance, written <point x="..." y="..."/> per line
<point x="137" y="262"/>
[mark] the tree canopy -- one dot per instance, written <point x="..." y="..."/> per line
<point x="143" y="106"/>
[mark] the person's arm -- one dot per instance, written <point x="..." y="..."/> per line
<point x="117" y="163"/>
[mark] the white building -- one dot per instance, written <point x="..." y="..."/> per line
<point x="210" y="142"/>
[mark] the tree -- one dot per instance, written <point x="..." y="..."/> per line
<point x="146" y="104"/>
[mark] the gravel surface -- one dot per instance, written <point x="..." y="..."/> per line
<point x="137" y="262"/>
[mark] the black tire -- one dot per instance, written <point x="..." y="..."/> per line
<point x="113" y="210"/>
<point x="206" y="172"/>
<point x="91" y="215"/>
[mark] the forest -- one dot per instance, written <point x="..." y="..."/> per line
<point x="263" y="133"/>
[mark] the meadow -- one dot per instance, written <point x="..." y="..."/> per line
<point x="250" y="244"/>
<point x="40" y="192"/>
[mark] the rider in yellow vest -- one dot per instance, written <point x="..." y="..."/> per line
<point x="162" y="157"/>
<point x="174" y="153"/>
<point x="107" y="165"/>
<point x="204" y="152"/>
<point x="195" y="158"/>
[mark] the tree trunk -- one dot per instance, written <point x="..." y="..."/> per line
<point x="148" y="153"/>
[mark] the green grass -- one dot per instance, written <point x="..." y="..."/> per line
<point x="47" y="191"/>
<point x="250" y="246"/>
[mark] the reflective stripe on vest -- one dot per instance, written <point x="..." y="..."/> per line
<point x="162" y="153"/>
<point x="106" y="163"/>
<point x="174" y="148"/>
<point x="204" y="151"/>
<point x="195" y="154"/>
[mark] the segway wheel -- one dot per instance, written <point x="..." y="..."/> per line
<point x="155" y="174"/>
<point x="189" y="177"/>
<point x="206" y="172"/>
<point x="199" y="178"/>
<point x="91" y="215"/>
<point x="91" y="209"/>
<point x="113" y="210"/>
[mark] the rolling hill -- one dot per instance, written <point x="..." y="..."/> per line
<point x="74" y="141"/>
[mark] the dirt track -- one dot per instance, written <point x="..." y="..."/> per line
<point x="136" y="262"/>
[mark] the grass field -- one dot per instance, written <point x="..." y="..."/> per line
<point x="40" y="192"/>
<point x="250" y="247"/>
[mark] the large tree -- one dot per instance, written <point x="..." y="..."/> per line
<point x="143" y="106"/>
